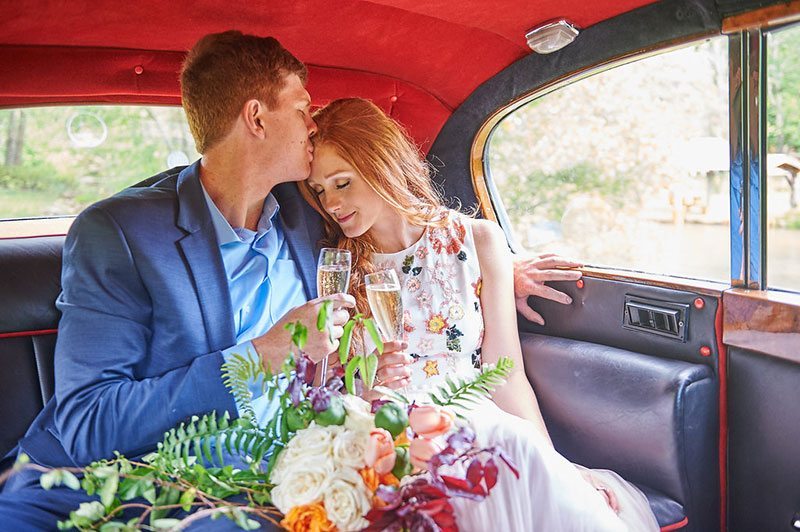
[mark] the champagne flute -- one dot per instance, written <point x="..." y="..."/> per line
<point x="333" y="271"/>
<point x="333" y="277"/>
<point x="383" y="294"/>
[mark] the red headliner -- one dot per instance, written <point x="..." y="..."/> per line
<point x="435" y="52"/>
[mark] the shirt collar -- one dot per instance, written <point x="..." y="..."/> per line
<point x="226" y="234"/>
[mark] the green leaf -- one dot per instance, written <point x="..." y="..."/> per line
<point x="370" y="367"/>
<point x="109" y="491"/>
<point x="22" y="460"/>
<point x="187" y="498"/>
<point x="165" y="523"/>
<point x="92" y="511"/>
<point x="374" y="334"/>
<point x="344" y="341"/>
<point x="350" y="372"/>
<point x="50" y="479"/>
<point x="70" y="480"/>
<point x="324" y="312"/>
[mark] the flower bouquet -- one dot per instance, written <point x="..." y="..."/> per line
<point x="327" y="460"/>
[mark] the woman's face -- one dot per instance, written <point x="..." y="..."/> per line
<point x="344" y="194"/>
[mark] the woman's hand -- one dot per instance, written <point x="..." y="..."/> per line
<point x="596" y="483"/>
<point x="394" y="368"/>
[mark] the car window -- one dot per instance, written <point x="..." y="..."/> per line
<point x="58" y="160"/>
<point x="625" y="168"/>
<point x="783" y="158"/>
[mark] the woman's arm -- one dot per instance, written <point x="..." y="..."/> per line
<point x="501" y="337"/>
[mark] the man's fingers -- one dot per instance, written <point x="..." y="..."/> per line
<point x="337" y="332"/>
<point x="527" y="312"/>
<point x="552" y="294"/>
<point x="339" y="300"/>
<point x="555" y="261"/>
<point x="556" y="275"/>
<point x="340" y="316"/>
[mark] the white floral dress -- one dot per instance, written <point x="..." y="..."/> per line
<point x="440" y="279"/>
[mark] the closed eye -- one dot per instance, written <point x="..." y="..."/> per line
<point x="343" y="185"/>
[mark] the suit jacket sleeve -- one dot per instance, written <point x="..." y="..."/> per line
<point x="106" y="401"/>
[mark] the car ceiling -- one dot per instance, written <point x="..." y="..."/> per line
<point x="418" y="59"/>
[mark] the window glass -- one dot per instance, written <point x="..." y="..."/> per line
<point x="626" y="168"/>
<point x="783" y="158"/>
<point x="57" y="160"/>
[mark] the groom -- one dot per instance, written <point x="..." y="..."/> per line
<point x="161" y="283"/>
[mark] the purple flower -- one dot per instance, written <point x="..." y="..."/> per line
<point x="296" y="391"/>
<point x="304" y="369"/>
<point x="320" y="398"/>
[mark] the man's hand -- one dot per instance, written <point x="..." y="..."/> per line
<point x="530" y="275"/>
<point x="607" y="493"/>
<point x="274" y="345"/>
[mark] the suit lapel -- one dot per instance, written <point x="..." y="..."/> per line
<point x="204" y="259"/>
<point x="301" y="226"/>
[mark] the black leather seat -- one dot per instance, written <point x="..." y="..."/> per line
<point x="30" y="281"/>
<point x="652" y="420"/>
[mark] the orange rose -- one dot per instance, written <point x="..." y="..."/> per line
<point x="380" y="451"/>
<point x="420" y="450"/>
<point x="308" y="518"/>
<point x="389" y="480"/>
<point x="370" y="477"/>
<point x="430" y="421"/>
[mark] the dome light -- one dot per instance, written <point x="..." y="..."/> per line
<point x="551" y="36"/>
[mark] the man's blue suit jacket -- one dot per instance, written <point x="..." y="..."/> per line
<point x="145" y="313"/>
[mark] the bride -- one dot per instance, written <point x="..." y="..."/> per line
<point x="373" y="189"/>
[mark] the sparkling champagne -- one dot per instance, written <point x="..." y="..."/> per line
<point x="332" y="279"/>
<point x="387" y="309"/>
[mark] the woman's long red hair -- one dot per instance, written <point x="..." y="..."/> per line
<point x="378" y="148"/>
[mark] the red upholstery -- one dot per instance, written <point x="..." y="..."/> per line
<point x="438" y="50"/>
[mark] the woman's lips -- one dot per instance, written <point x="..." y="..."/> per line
<point x="345" y="219"/>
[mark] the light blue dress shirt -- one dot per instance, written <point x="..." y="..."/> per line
<point x="263" y="280"/>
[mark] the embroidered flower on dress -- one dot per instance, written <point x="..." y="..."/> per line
<point x="407" y="322"/>
<point x="422" y="252"/>
<point x="456" y="311"/>
<point x="436" y="324"/>
<point x="425" y="345"/>
<point x="413" y="284"/>
<point x="431" y="368"/>
<point x="424" y="298"/>
<point x="477" y="285"/>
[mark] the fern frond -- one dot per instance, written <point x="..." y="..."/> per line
<point x="182" y="446"/>
<point x="237" y="374"/>
<point x="464" y="392"/>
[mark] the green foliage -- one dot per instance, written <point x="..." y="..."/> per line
<point x="546" y="195"/>
<point x="38" y="177"/>
<point x="463" y="392"/>
<point x="783" y="104"/>
<point x="237" y="372"/>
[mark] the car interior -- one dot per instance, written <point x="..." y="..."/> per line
<point x="686" y="387"/>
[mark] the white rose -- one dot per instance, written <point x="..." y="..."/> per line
<point x="313" y="440"/>
<point x="347" y="500"/>
<point x="349" y="448"/>
<point x="359" y="417"/>
<point x="302" y="483"/>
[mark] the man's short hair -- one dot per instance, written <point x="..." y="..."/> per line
<point x="225" y="70"/>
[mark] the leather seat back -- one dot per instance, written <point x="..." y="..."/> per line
<point x="30" y="281"/>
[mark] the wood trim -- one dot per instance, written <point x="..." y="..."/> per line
<point x="766" y="321"/>
<point x="763" y="18"/>
<point x="35" y="227"/>
<point x="703" y="287"/>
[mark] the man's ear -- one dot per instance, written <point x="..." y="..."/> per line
<point x="254" y="117"/>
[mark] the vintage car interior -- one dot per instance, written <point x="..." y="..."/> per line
<point x="685" y="386"/>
